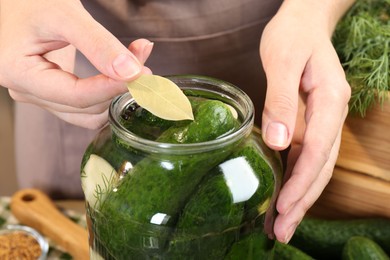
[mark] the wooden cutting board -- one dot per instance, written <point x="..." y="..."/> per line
<point x="365" y="144"/>
<point x="352" y="194"/>
<point x="35" y="209"/>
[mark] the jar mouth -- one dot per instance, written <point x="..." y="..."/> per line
<point x="203" y="86"/>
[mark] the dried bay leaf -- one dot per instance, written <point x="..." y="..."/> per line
<point x="161" y="97"/>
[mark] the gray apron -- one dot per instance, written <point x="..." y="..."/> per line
<point x="218" y="38"/>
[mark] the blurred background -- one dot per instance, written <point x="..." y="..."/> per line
<point x="7" y="162"/>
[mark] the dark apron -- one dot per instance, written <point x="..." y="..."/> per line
<point x="218" y="38"/>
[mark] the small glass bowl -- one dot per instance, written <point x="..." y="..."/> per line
<point x="44" y="245"/>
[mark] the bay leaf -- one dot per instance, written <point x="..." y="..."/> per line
<point x="161" y="97"/>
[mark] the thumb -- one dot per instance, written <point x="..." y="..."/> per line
<point x="102" y="48"/>
<point x="281" y="106"/>
<point x="142" y="49"/>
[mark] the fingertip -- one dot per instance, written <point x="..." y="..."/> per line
<point x="147" y="71"/>
<point x="289" y="233"/>
<point x="141" y="48"/>
<point x="147" y="51"/>
<point x="279" y="232"/>
<point x="284" y="231"/>
<point x="276" y="135"/>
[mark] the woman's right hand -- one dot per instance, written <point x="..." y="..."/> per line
<point x="37" y="49"/>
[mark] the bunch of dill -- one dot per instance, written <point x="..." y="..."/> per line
<point x="362" y="41"/>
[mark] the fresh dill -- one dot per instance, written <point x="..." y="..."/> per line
<point x="362" y="41"/>
<point x="107" y="186"/>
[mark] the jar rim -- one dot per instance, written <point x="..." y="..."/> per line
<point x="230" y="93"/>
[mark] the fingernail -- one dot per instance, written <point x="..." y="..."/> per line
<point x="147" y="50"/>
<point x="290" y="233"/>
<point x="126" y="66"/>
<point x="276" y="134"/>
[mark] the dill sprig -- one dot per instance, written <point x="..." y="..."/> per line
<point x="107" y="186"/>
<point x="362" y="41"/>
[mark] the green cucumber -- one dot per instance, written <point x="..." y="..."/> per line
<point x="213" y="119"/>
<point x="203" y="231"/>
<point x="362" y="248"/>
<point x="257" y="246"/>
<point x="289" y="252"/>
<point x="157" y="187"/>
<point x="143" y="123"/>
<point x="325" y="239"/>
<point x="209" y="223"/>
<point x="260" y="200"/>
<point x="252" y="247"/>
<point x="233" y="193"/>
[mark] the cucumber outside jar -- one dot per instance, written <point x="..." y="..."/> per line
<point x="158" y="189"/>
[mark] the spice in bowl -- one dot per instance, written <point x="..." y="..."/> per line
<point x="21" y="242"/>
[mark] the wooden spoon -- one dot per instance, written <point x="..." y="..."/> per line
<point x="35" y="209"/>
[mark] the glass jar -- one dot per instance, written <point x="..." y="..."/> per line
<point x="152" y="199"/>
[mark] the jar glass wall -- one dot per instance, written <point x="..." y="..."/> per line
<point x="149" y="198"/>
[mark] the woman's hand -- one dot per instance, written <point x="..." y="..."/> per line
<point x="306" y="103"/>
<point x="37" y="49"/>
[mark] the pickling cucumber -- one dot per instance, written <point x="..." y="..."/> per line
<point x="213" y="120"/>
<point x="209" y="223"/>
<point x="231" y="194"/>
<point x="252" y="247"/>
<point x="362" y="248"/>
<point x="139" y="216"/>
<point x="258" y="202"/>
<point x="325" y="239"/>
<point x="289" y="252"/>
